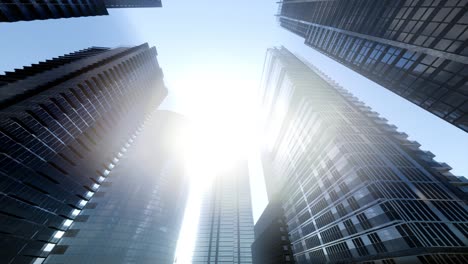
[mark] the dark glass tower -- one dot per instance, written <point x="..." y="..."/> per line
<point x="272" y="245"/>
<point x="12" y="11"/>
<point x="132" y="3"/>
<point x="63" y="123"/>
<point x="135" y="216"/>
<point x="225" y="231"/>
<point x="417" y="49"/>
<point x="353" y="189"/>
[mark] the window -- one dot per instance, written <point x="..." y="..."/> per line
<point x="324" y="219"/>
<point x="353" y="203"/>
<point x="364" y="221"/>
<point x="317" y="256"/>
<point x="341" y="210"/>
<point x="360" y="247"/>
<point x="377" y="243"/>
<point x="349" y="225"/>
<point x="308" y="228"/>
<point x="304" y="217"/>
<point x="339" y="251"/>
<point x="312" y="242"/>
<point x="331" y="234"/>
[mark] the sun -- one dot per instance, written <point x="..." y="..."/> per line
<point x="222" y="120"/>
<point x="221" y="109"/>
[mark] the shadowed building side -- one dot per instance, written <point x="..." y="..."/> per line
<point x="12" y="11"/>
<point x="272" y="245"/>
<point x="63" y="124"/>
<point x="132" y="3"/>
<point x="27" y="10"/>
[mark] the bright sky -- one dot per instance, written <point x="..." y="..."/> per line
<point x="212" y="54"/>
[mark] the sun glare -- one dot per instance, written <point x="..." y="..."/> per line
<point x="222" y="121"/>
<point x="222" y="114"/>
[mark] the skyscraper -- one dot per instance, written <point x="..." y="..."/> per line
<point x="225" y="231"/>
<point x="136" y="215"/>
<point x="272" y="245"/>
<point x="353" y="188"/>
<point x="416" y="49"/>
<point x="12" y="11"/>
<point x="63" y="123"/>
<point x="132" y="3"/>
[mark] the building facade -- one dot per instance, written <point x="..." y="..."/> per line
<point x="272" y="244"/>
<point x="12" y="11"/>
<point x="225" y="230"/>
<point x="63" y="123"/>
<point x="136" y="215"/>
<point x="132" y="3"/>
<point x="353" y="188"/>
<point x="416" y="49"/>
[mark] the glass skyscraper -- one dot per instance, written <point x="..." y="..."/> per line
<point x="12" y="11"/>
<point x="416" y="49"/>
<point x="63" y="124"/>
<point x="225" y="231"/>
<point x="353" y="189"/>
<point x="132" y="3"/>
<point x="136" y="214"/>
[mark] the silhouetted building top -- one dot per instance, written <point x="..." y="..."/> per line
<point x="12" y="11"/>
<point x="353" y="189"/>
<point x="132" y="3"/>
<point x="63" y="123"/>
<point x="272" y="245"/>
<point x="416" y="49"/>
<point x="136" y="215"/>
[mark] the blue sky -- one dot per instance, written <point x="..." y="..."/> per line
<point x="224" y="40"/>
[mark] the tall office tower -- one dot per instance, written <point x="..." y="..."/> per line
<point x="63" y="122"/>
<point x="416" y="49"/>
<point x="225" y="231"/>
<point x="132" y="3"/>
<point x="272" y="244"/>
<point x="353" y="188"/>
<point x="136" y="215"/>
<point x="27" y="10"/>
